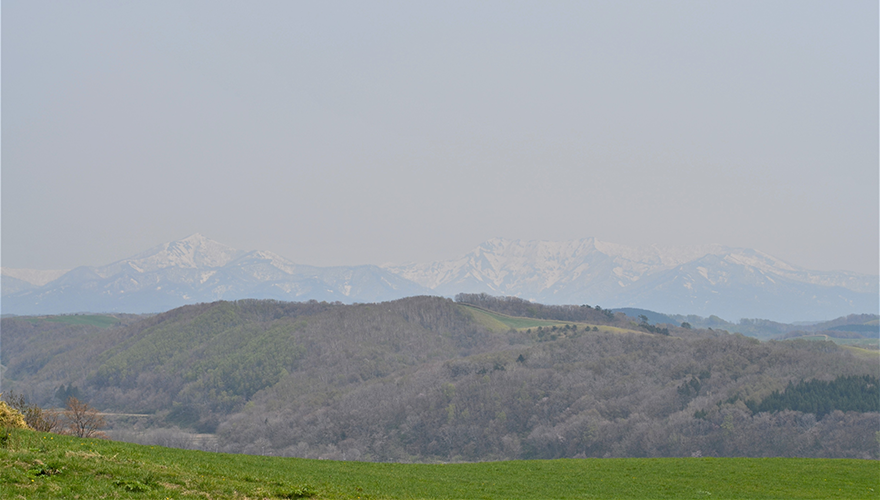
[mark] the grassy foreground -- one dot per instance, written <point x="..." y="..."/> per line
<point x="36" y="465"/>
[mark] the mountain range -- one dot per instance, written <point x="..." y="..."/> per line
<point x="706" y="280"/>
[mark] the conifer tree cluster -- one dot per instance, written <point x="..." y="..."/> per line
<point x="846" y="393"/>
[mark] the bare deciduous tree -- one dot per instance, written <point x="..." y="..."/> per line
<point x="82" y="419"/>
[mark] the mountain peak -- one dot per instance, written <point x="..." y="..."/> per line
<point x="194" y="251"/>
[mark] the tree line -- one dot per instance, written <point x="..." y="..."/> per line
<point x="515" y="306"/>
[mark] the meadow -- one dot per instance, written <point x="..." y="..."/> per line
<point x="98" y="320"/>
<point x="37" y="465"/>
<point x="871" y="344"/>
<point x="499" y="322"/>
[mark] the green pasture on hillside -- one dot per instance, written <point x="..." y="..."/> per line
<point x="873" y="344"/>
<point x="862" y="343"/>
<point x="98" y="320"/>
<point x="36" y="465"/>
<point x="859" y="352"/>
<point x="501" y="322"/>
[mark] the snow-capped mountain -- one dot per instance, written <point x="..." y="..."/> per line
<point x="197" y="269"/>
<point x="194" y="252"/>
<point x="730" y="286"/>
<point x="729" y="282"/>
<point x="705" y="280"/>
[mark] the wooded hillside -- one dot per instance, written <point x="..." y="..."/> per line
<point x="429" y="379"/>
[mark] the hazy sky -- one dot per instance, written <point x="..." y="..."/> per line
<point x="372" y="132"/>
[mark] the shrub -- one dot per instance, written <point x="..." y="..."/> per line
<point x="11" y="418"/>
<point x="35" y="417"/>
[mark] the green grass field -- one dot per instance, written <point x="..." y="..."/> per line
<point x="79" y="319"/>
<point x="501" y="322"/>
<point x="36" y="465"/>
<point x="860" y="343"/>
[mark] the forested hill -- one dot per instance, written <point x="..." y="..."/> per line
<point x="515" y="306"/>
<point x="427" y="378"/>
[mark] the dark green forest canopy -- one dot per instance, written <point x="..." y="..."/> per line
<point x="852" y="393"/>
<point x="423" y="379"/>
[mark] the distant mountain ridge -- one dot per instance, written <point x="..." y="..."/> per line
<point x="197" y="269"/>
<point x="704" y="280"/>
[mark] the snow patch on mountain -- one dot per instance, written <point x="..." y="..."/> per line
<point x="510" y="264"/>
<point x="709" y="279"/>
<point x="193" y="252"/>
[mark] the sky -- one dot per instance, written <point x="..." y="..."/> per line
<point x="344" y="133"/>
